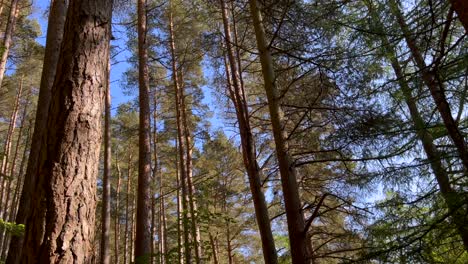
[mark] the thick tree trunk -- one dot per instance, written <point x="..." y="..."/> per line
<point x="143" y="224"/>
<point x="69" y="157"/>
<point x="117" y="216"/>
<point x="452" y="198"/>
<point x="301" y="251"/>
<point x="461" y="8"/>
<point x="106" y="186"/>
<point x="182" y="144"/>
<point x="55" y="27"/>
<point x="248" y="146"/>
<point x="10" y="29"/>
<point x="432" y="80"/>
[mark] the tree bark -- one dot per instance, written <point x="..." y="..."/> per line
<point x="248" y="146"/>
<point x="117" y="215"/>
<point x="106" y="186"/>
<point x="432" y="80"/>
<point x="69" y="157"/>
<point x="9" y="31"/>
<point x="301" y="251"/>
<point x="55" y="27"/>
<point x="461" y="8"/>
<point x="143" y="224"/>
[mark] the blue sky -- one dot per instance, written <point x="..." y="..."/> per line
<point x="118" y="97"/>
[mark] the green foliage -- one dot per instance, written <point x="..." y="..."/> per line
<point x="12" y="228"/>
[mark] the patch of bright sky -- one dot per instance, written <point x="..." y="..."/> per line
<point x="40" y="13"/>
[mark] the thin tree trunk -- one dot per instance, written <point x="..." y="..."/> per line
<point x="179" y="210"/>
<point x="106" y="186"/>
<point x="461" y="8"/>
<point x="189" y="172"/>
<point x="9" y="207"/>
<point x="248" y="146"/>
<point x="213" y="249"/>
<point x="127" y="208"/>
<point x="182" y="144"/>
<point x="70" y="152"/>
<point x="117" y="215"/>
<point x="301" y="251"/>
<point x="143" y="222"/>
<point x="228" y="243"/>
<point x="9" y="31"/>
<point x="6" y="154"/>
<point x="24" y="160"/>
<point x="451" y="197"/>
<point x="432" y="80"/>
<point x="55" y="28"/>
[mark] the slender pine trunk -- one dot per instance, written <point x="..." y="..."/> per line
<point x="301" y="251"/>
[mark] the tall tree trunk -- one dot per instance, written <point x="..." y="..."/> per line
<point x="451" y="197"/>
<point x="436" y="87"/>
<point x="195" y="230"/>
<point x="55" y="28"/>
<point x="179" y="209"/>
<point x="6" y="153"/>
<point x="106" y="186"/>
<point x="180" y="138"/>
<point x="248" y="145"/>
<point x="301" y="251"/>
<point x="69" y="158"/>
<point x="127" y="210"/>
<point x="9" y="31"/>
<point x="117" y="215"/>
<point x="461" y="8"/>
<point x="143" y="225"/>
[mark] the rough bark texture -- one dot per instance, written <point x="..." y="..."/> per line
<point x="300" y="246"/>
<point x="461" y="8"/>
<point x="432" y="80"/>
<point x="105" y="214"/>
<point x="69" y="157"/>
<point x="143" y="220"/>
<point x="451" y="197"/>
<point x="248" y="146"/>
<point x="57" y="15"/>
<point x="10" y="28"/>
